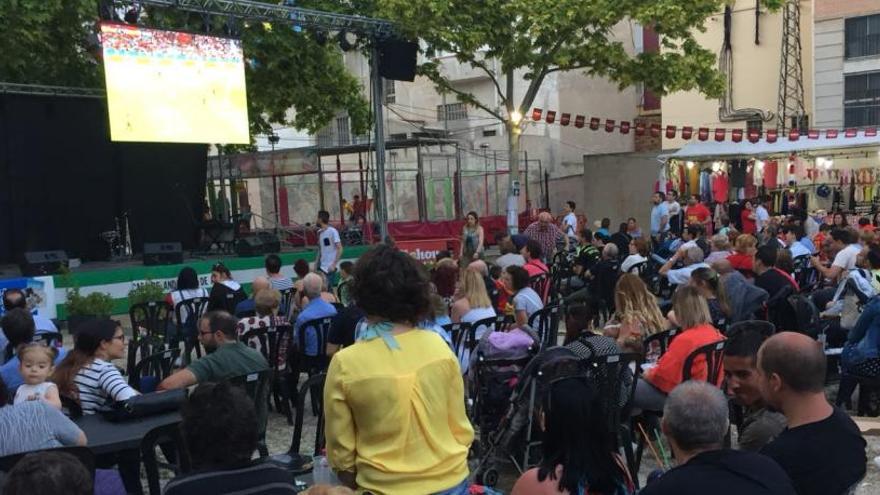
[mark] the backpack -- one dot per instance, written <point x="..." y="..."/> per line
<point x="808" y="321"/>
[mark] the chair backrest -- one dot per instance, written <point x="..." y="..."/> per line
<point x="662" y="339"/>
<point x="51" y="339"/>
<point x="159" y="365"/>
<point x="320" y="327"/>
<point x="545" y="322"/>
<point x="314" y="383"/>
<point x="540" y="283"/>
<point x="615" y="376"/>
<point x="168" y="436"/>
<point x="256" y="385"/>
<point x="70" y="407"/>
<point x="640" y="269"/>
<point x="145" y="346"/>
<point x="458" y="334"/>
<point x="153" y="316"/>
<point x="714" y="359"/>
<point x="287" y="298"/>
<point x="804" y="272"/>
<point x="83" y="454"/>
<point x="187" y="314"/>
<point x="232" y="299"/>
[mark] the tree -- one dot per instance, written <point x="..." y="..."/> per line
<point x="535" y="38"/>
<point x="54" y="42"/>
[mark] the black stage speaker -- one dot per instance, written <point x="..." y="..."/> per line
<point x="37" y="263"/>
<point x="397" y="59"/>
<point x="163" y="253"/>
<point x="257" y="244"/>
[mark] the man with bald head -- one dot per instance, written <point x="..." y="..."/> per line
<point x="547" y="234"/>
<point x="13" y="299"/>
<point x="248" y="307"/>
<point x="313" y="285"/>
<point x="822" y="449"/>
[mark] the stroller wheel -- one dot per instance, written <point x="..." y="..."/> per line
<point x="488" y="477"/>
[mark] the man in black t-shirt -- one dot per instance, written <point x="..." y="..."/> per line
<point x="775" y="281"/>
<point x="822" y="450"/>
<point x="342" y="330"/>
<point x="695" y="422"/>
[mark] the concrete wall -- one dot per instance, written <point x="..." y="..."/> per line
<point x="829" y="73"/>
<point x="831" y="9"/>
<point x="755" y="69"/>
<point x="618" y="186"/>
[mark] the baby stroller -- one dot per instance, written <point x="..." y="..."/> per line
<point x="516" y="433"/>
<point x="493" y="376"/>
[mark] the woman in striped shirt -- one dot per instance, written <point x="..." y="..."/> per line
<point x="87" y="374"/>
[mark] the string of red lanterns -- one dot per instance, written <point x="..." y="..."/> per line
<point x="687" y="132"/>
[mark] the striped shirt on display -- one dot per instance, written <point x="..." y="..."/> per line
<point x="100" y="384"/>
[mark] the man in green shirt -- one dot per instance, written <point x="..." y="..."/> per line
<point x="226" y="356"/>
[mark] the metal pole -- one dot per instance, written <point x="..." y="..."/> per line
<point x="420" y="184"/>
<point x="339" y="190"/>
<point x="382" y="207"/>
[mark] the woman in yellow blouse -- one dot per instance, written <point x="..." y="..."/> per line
<point x="394" y="401"/>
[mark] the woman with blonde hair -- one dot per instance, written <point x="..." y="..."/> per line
<point x="692" y="315"/>
<point x="473" y="304"/>
<point x="743" y="257"/>
<point x="637" y="315"/>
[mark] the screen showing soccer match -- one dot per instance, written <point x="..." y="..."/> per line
<point x="174" y="87"/>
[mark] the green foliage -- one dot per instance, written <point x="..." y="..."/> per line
<point x="53" y="42"/>
<point x="147" y="292"/>
<point x="49" y="42"/>
<point x="95" y="304"/>
<point x="534" y="38"/>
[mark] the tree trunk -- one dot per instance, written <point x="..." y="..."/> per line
<point x="513" y="137"/>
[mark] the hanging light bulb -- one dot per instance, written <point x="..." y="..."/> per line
<point x="689" y="165"/>
<point x="716" y="166"/>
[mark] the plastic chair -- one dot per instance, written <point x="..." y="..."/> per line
<point x="714" y="355"/>
<point x="141" y="348"/>
<point x="293" y="460"/>
<point x="541" y="284"/>
<point x="269" y="339"/>
<point x="186" y="316"/>
<point x="458" y="333"/>
<point x="154" y="317"/>
<point x="663" y="339"/>
<point x="315" y="363"/>
<point x="50" y="339"/>
<point x="168" y="435"/>
<point x="545" y="322"/>
<point x="257" y="385"/>
<point x="287" y="298"/>
<point x="159" y="365"/>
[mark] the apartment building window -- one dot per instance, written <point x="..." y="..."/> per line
<point x="390" y="95"/>
<point x="452" y="111"/>
<point x="861" y="100"/>
<point x="754" y="125"/>
<point x="862" y="36"/>
<point x="343" y="131"/>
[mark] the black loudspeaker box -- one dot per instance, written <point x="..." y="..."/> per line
<point x="163" y="253"/>
<point x="38" y="263"/>
<point x="257" y="244"/>
<point x="397" y="59"/>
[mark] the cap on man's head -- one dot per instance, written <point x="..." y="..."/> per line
<point x="519" y="240"/>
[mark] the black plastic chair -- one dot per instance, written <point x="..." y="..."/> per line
<point x="287" y="298"/>
<point x="154" y="317"/>
<point x="168" y="436"/>
<point x="159" y="365"/>
<point x="541" y="284"/>
<point x="714" y="354"/>
<point x="662" y="339"/>
<point x="293" y="460"/>
<point x="257" y="385"/>
<point x="458" y="333"/>
<point x="71" y="407"/>
<point x="83" y="454"/>
<point x="545" y="322"/>
<point x="143" y="347"/>
<point x="269" y="340"/>
<point x="318" y="363"/>
<point x="50" y="339"/>
<point x="186" y="316"/>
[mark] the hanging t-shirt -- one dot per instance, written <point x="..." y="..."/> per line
<point x="738" y="174"/>
<point x="693" y="180"/>
<point x="719" y="187"/>
<point x="771" y="171"/>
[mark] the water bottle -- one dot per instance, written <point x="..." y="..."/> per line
<point x="321" y="473"/>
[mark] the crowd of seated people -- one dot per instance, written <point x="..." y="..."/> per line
<point x="395" y="400"/>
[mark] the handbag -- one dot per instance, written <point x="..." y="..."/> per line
<point x="144" y="405"/>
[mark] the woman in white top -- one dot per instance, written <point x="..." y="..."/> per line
<point x="526" y="301"/>
<point x="638" y="253"/>
<point x="87" y="373"/>
<point x="188" y="287"/>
